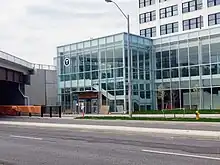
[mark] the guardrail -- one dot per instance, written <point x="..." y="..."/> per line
<point x="45" y="67"/>
<point x="11" y="58"/>
<point x="19" y="61"/>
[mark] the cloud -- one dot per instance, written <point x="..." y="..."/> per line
<point x="33" y="29"/>
<point x="58" y="13"/>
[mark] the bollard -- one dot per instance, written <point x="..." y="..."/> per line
<point x="42" y="110"/>
<point x="30" y="114"/>
<point x="51" y="108"/>
<point x="60" y="111"/>
<point x="197" y="115"/>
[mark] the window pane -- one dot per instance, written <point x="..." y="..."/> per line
<point x="166" y="74"/>
<point x="205" y="54"/>
<point x="183" y="55"/>
<point x="206" y="70"/>
<point x="193" y="55"/>
<point x="165" y="59"/>
<point x="142" y="32"/>
<point x="194" y="71"/>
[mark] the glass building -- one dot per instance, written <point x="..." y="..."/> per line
<point x="171" y="72"/>
<point x="94" y="73"/>
<point x="187" y="70"/>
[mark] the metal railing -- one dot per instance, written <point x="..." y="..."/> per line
<point x="19" y="61"/>
<point x="45" y="67"/>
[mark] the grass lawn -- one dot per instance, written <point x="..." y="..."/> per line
<point x="149" y="119"/>
<point x="178" y="111"/>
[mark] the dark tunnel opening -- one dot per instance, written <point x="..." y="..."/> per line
<point x="10" y="94"/>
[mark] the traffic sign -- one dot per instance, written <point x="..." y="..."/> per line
<point x="66" y="62"/>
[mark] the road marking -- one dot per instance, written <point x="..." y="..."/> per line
<point x="25" y="137"/>
<point x="184" y="155"/>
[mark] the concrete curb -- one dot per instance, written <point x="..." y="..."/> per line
<point x="211" y="134"/>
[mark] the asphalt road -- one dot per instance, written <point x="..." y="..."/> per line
<point x="36" y="146"/>
<point x="147" y="124"/>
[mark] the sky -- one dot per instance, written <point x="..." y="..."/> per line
<point x="32" y="29"/>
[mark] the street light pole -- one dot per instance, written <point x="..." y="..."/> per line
<point x="129" y="58"/>
<point x="129" y="70"/>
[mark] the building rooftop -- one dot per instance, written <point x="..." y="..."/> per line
<point x="104" y="40"/>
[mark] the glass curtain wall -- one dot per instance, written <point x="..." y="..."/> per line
<point x="95" y="65"/>
<point x="141" y="53"/>
<point x="187" y="72"/>
<point x="102" y="65"/>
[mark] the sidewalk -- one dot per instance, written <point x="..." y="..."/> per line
<point x="182" y="132"/>
<point x="149" y="115"/>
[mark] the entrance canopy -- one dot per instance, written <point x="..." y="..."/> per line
<point x="86" y="95"/>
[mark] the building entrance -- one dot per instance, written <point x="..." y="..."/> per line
<point x="87" y="102"/>
<point x="88" y="106"/>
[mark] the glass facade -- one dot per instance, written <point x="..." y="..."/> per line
<point x="101" y="65"/>
<point x="177" y="71"/>
<point x="187" y="70"/>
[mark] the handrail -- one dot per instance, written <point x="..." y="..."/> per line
<point x="26" y="97"/>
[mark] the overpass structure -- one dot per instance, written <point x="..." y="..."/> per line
<point x="25" y="83"/>
<point x="14" y="75"/>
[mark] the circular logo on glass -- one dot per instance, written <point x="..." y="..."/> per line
<point x="67" y="62"/>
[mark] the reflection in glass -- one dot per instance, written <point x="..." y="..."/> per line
<point x="142" y="94"/>
<point x="215" y="52"/>
<point x="205" y="54"/>
<point x="119" y="85"/>
<point x="81" y="76"/>
<point x="81" y="65"/>
<point x="158" y="74"/>
<point x="118" y="57"/>
<point x="175" y="73"/>
<point x="119" y="72"/>
<point x="87" y="75"/>
<point x="183" y="55"/>
<point x="119" y="92"/>
<point x="165" y="59"/>
<point x="214" y="68"/>
<point x="141" y="75"/>
<point x="94" y="61"/>
<point x="173" y="58"/>
<point x="141" y="61"/>
<point x="194" y="71"/>
<point x="73" y="76"/>
<point x="109" y="59"/>
<point x="87" y="63"/>
<point x="148" y="95"/>
<point x="134" y="59"/>
<point x="73" y="64"/>
<point x="166" y="73"/>
<point x="147" y="75"/>
<point x="95" y="75"/>
<point x="103" y="60"/>
<point x="158" y="60"/>
<point x="206" y="70"/>
<point x="185" y="72"/>
<point x="193" y="55"/>
<point x="110" y="86"/>
<point x="109" y="73"/>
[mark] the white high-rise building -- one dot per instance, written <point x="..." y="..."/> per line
<point x="159" y="18"/>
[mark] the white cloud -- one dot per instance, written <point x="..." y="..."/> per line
<point x="33" y="29"/>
